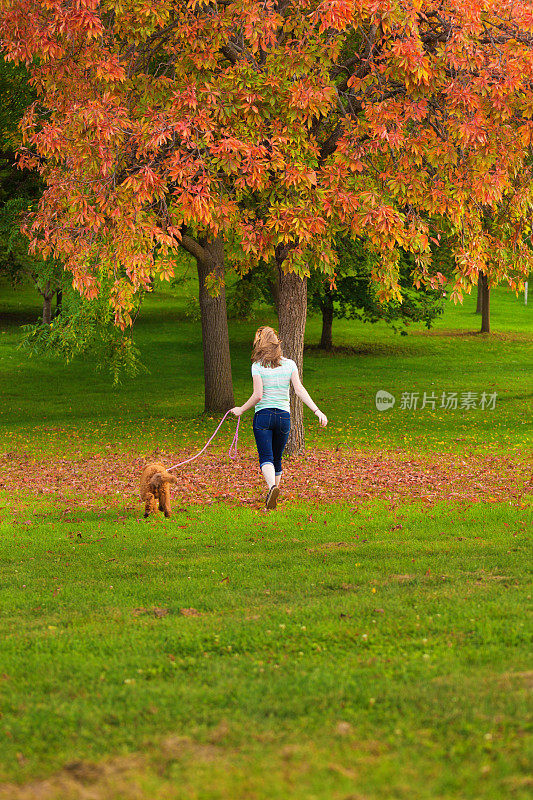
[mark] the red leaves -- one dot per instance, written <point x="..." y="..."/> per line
<point x="146" y="184"/>
<point x="260" y="28"/>
<point x="410" y="60"/>
<point x="111" y="70"/>
<point x="158" y="612"/>
<point x="309" y="99"/>
<point x="319" y="475"/>
<point x="51" y="137"/>
<point x="335" y="14"/>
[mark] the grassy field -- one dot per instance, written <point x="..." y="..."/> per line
<point x="372" y="648"/>
<point x="232" y="654"/>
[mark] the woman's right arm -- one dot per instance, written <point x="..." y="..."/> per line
<point x="304" y="395"/>
<point x="254" y="398"/>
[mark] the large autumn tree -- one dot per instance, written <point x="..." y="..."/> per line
<point x="268" y="128"/>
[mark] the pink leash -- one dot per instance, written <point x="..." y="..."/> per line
<point x="232" y="452"/>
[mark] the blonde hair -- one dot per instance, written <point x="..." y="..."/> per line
<point x="267" y="347"/>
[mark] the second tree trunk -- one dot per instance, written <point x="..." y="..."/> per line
<point x="292" y="312"/>
<point x="485" y="304"/>
<point x="47" y="295"/>
<point x="326" y="340"/>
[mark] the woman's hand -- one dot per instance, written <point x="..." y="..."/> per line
<point x="237" y="411"/>
<point x="323" y="420"/>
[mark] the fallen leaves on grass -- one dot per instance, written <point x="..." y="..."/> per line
<point x="322" y="476"/>
<point x="116" y="776"/>
<point x="343" y="728"/>
<point x="331" y="546"/>
<point x="156" y="611"/>
<point x="344" y="771"/>
<point x="74" y="779"/>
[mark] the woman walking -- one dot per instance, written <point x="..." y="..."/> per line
<point x="272" y="375"/>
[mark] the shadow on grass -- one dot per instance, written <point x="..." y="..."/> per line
<point x="371" y="349"/>
<point x="10" y="319"/>
<point x="501" y="336"/>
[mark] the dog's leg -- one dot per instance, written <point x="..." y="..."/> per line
<point x="164" y="500"/>
<point x="148" y="504"/>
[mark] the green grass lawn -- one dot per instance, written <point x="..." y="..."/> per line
<point x="382" y="653"/>
<point x="360" y="650"/>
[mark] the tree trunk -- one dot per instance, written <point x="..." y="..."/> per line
<point x="274" y="286"/>
<point x="485" y="306"/>
<point x="47" y="304"/>
<point x="326" y="339"/>
<point x="292" y="312"/>
<point x="59" y="302"/>
<point x="218" y="384"/>
<point x="479" y="292"/>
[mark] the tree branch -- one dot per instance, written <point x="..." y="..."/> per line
<point x="192" y="247"/>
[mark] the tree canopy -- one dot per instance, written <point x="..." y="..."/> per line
<point x="279" y="125"/>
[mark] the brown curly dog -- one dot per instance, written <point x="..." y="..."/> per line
<point x="155" y="488"/>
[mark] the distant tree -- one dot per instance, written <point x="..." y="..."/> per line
<point x="85" y="329"/>
<point x="354" y="296"/>
<point x="18" y="264"/>
<point x="256" y="286"/>
<point x="483" y="301"/>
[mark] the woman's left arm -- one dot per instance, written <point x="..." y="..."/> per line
<point x="304" y="395"/>
<point x="254" y="398"/>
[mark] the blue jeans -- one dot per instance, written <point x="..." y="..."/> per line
<point x="271" y="431"/>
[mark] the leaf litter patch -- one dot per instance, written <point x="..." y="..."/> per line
<point x="323" y="476"/>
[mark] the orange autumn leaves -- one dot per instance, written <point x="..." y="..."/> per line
<point x="322" y="476"/>
<point x="278" y="125"/>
